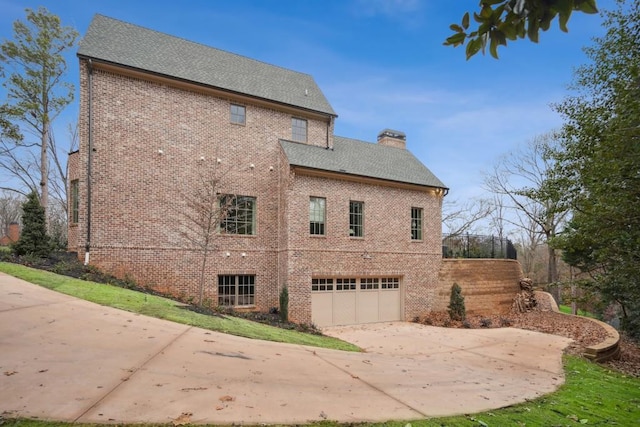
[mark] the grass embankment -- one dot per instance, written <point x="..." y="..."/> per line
<point x="591" y="395"/>
<point x="163" y="308"/>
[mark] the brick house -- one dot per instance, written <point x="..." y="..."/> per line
<point x="11" y="234"/>
<point x="351" y="228"/>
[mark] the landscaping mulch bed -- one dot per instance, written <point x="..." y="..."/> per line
<point x="582" y="331"/>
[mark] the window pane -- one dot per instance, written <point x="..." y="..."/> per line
<point x="75" y="202"/>
<point x="238" y="214"/>
<point x="416" y="223"/>
<point x="316" y="215"/>
<point x="227" y="290"/>
<point x="298" y="130"/>
<point x="356" y="219"/>
<point x="238" y="114"/>
<point x="236" y="290"/>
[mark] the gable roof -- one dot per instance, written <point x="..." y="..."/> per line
<point x="364" y="159"/>
<point x="121" y="43"/>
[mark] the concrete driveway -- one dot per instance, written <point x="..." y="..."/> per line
<point x="66" y="359"/>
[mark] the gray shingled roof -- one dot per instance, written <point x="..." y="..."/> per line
<point x="353" y="157"/>
<point x="126" y="44"/>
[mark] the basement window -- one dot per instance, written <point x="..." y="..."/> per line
<point x="236" y="290"/>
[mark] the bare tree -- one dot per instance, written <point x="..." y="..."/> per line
<point x="497" y="216"/>
<point x="522" y="178"/>
<point x="204" y="210"/>
<point x="529" y="240"/>
<point x="459" y="218"/>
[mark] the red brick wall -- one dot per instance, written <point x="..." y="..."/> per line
<point x="138" y="194"/>
<point x="387" y="241"/>
<point x="151" y="142"/>
<point x="488" y="285"/>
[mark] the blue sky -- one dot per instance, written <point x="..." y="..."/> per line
<point x="380" y="63"/>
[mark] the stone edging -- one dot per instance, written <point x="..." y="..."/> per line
<point x="601" y="352"/>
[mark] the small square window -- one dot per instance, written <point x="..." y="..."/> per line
<point x="389" y="283"/>
<point x="416" y="223"/>
<point x="298" y="130"/>
<point x="369" y="283"/>
<point x="238" y="114"/>
<point x="345" y="284"/>
<point x="319" y="285"/>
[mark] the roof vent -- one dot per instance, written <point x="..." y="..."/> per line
<point x="392" y="138"/>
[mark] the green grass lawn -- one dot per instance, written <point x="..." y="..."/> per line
<point x="567" y="310"/>
<point x="163" y="308"/>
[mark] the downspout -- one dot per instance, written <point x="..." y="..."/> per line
<point x="87" y="248"/>
<point x="279" y="219"/>
<point x="328" y="127"/>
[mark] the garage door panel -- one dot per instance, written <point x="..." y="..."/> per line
<point x="344" y="308"/>
<point x="349" y="301"/>
<point x="389" y="304"/>
<point x="322" y="308"/>
<point x="368" y="306"/>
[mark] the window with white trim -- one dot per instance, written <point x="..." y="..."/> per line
<point x="236" y="290"/>
<point x="389" y="283"/>
<point x="370" y="283"/>
<point x="345" y="284"/>
<point x="319" y="285"/>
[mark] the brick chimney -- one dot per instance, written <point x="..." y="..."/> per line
<point x="392" y="138"/>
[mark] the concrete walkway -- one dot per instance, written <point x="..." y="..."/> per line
<point x="66" y="359"/>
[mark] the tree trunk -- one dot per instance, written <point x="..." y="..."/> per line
<point x="552" y="274"/>
<point x="574" y="293"/>
<point x="202" y="274"/>
<point x="44" y="172"/>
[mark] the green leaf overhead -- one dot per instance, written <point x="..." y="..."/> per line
<point x="502" y="20"/>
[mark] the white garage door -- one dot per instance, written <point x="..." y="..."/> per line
<point x="348" y="301"/>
